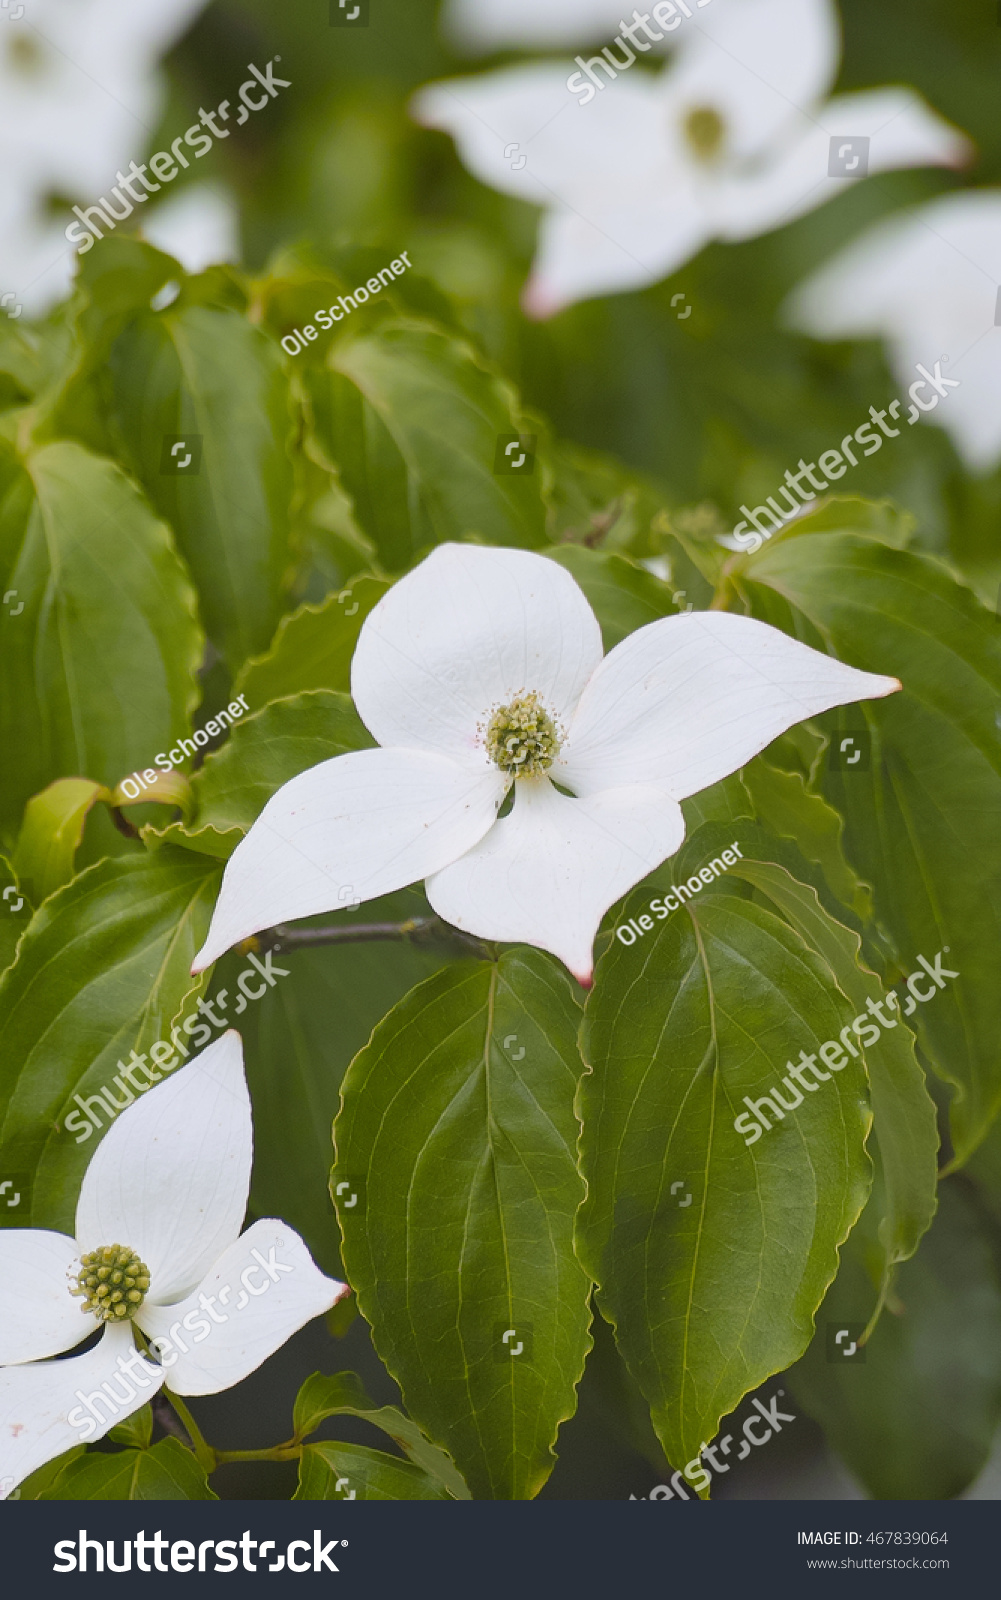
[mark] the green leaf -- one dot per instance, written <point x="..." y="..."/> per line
<point x="263" y="752"/>
<point x="923" y="824"/>
<point x="412" y="417"/>
<point x="727" y="801"/>
<point x="598" y="500"/>
<point x="312" y="648"/>
<point x="916" y="1419"/>
<point x="202" y="371"/>
<point x="711" y="1294"/>
<point x="344" y="1396"/>
<point x="458" y="1135"/>
<point x="298" y="1042"/>
<point x="33" y="1486"/>
<point x="332" y="1471"/>
<point x="102" y="969"/>
<point x="52" y="830"/>
<point x="15" y="913"/>
<point x="136" y="1431"/>
<point x="904" y="1117"/>
<point x="116" y="282"/>
<point x="785" y="806"/>
<point x="100" y="665"/>
<point x="622" y="594"/>
<point x="166" y="1472"/>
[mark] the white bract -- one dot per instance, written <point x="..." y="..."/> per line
<point x="731" y="140"/>
<point x="481" y="673"/>
<point x="80" y="96"/>
<point x="162" y="1204"/>
<point x="928" y="283"/>
<point x="494" y="24"/>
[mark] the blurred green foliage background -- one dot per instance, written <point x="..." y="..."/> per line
<point x="717" y="405"/>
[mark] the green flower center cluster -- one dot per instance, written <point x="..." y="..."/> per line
<point x="113" y="1281"/>
<point x="521" y="738"/>
<point x="705" y="131"/>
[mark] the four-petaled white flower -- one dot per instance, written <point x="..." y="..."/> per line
<point x="157" y="1243"/>
<point x="481" y="672"/>
<point x="927" y="282"/>
<point x="79" y="94"/>
<point x="732" y="140"/>
<point x="498" y="24"/>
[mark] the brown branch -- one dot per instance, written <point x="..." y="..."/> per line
<point x="416" y="930"/>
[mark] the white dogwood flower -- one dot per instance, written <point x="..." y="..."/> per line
<point x="928" y="283"/>
<point x="497" y="24"/>
<point x="157" y="1244"/>
<point x="80" y="95"/>
<point x="481" y="676"/>
<point x="733" y="139"/>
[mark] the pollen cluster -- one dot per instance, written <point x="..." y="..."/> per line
<point x="113" y="1281"/>
<point x="521" y="738"/>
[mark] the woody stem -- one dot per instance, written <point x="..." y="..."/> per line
<point x="415" y="930"/>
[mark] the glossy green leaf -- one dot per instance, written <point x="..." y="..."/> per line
<point x="102" y="969"/>
<point x="312" y="649"/>
<point x="33" y="1487"/>
<point x="727" y="801"/>
<point x="923" y="824"/>
<point x="344" y="1396"/>
<point x="915" y="1413"/>
<point x="333" y="1471"/>
<point x="116" y="282"/>
<point x="203" y="375"/>
<point x="100" y="664"/>
<point x="712" y="1253"/>
<point x="168" y="1471"/>
<point x="52" y="830"/>
<point x="904" y="1117"/>
<point x="136" y="1431"/>
<point x="457" y="1134"/>
<point x="298" y="1042"/>
<point x="414" y="433"/>
<point x="786" y="806"/>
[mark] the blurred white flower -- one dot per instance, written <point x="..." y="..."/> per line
<point x="157" y="1244"/>
<point x="731" y="140"/>
<point x="481" y="675"/>
<point x="199" y="226"/>
<point x="493" y="24"/>
<point x="80" y="95"/>
<point x="929" y="283"/>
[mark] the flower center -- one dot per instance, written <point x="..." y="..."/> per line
<point x="113" y="1281"/>
<point x="705" y="131"/>
<point x="521" y="738"/>
<point x="24" y="54"/>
